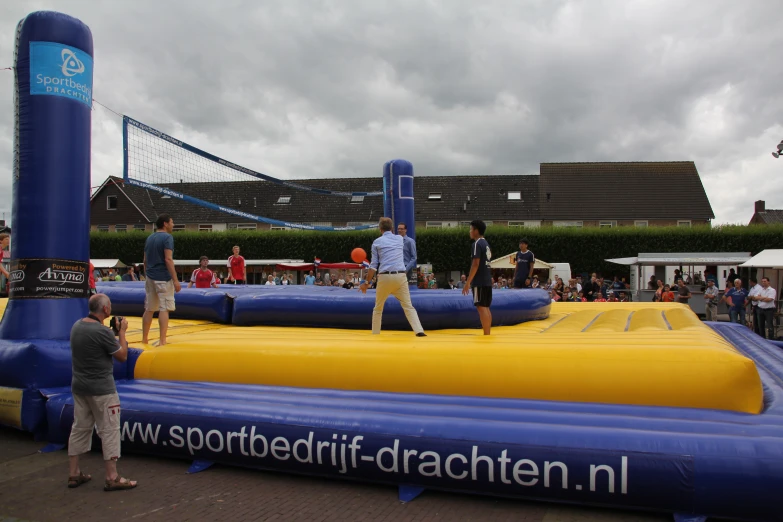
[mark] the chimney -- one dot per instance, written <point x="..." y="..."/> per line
<point x="761" y="206"/>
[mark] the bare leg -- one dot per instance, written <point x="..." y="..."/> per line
<point x="163" y="321"/>
<point x="73" y="466"/>
<point x="111" y="469"/>
<point x="146" y="323"/>
<point x="486" y="318"/>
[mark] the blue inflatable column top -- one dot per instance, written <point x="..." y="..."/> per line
<point x="398" y="194"/>
<point x="50" y="253"/>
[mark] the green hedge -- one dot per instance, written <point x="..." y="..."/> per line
<point x="585" y="249"/>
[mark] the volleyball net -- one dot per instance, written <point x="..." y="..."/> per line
<point x="156" y="161"/>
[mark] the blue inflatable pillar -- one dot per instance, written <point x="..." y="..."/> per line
<point x="398" y="194"/>
<point x="50" y="255"/>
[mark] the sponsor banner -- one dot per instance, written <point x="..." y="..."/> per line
<point x="60" y="70"/>
<point x="572" y="474"/>
<point x="49" y="278"/>
<point x="11" y="407"/>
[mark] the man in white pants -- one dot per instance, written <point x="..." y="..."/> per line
<point x="387" y="262"/>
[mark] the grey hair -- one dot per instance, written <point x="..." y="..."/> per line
<point x="97" y="302"/>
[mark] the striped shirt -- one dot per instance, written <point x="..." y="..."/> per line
<point x="387" y="254"/>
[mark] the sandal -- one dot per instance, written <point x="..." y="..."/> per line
<point x="78" y="480"/>
<point x="119" y="484"/>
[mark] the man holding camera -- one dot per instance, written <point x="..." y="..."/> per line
<point x="95" y="400"/>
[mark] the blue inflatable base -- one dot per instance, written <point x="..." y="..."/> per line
<point x="686" y="461"/>
<point x="215" y="305"/>
<point x="332" y="307"/>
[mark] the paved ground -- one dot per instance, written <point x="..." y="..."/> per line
<point x="33" y="488"/>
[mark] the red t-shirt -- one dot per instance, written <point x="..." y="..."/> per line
<point x="237" y="266"/>
<point x="668" y="297"/>
<point x="203" y="278"/>
<point x="92" y="276"/>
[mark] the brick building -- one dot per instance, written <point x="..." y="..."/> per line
<point x="564" y="194"/>
<point x="765" y="216"/>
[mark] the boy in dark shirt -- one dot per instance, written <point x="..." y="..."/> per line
<point x="480" y="277"/>
<point x="524" y="262"/>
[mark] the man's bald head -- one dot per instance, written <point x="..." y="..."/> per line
<point x="97" y="304"/>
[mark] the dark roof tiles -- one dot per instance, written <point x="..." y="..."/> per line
<point x="623" y="190"/>
<point x="771" y="217"/>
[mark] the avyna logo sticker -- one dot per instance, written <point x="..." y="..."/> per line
<point x="62" y="275"/>
<point x="60" y="70"/>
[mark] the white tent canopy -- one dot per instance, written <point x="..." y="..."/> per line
<point x="505" y="262"/>
<point x="772" y="258"/>
<point x="688" y="258"/>
<point x="107" y="263"/>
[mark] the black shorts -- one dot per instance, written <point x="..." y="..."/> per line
<point x="239" y="281"/>
<point x="482" y="296"/>
<point x="519" y="284"/>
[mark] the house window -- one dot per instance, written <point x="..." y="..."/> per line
<point x="140" y="226"/>
<point x="605" y="224"/>
<point x="120" y="228"/>
<point x="640" y="224"/>
<point x="435" y="196"/>
<point x="567" y="224"/>
<point x="165" y="196"/>
<point x="515" y="195"/>
<point x="278" y="228"/>
<point x="464" y="223"/>
<point x="103" y="228"/>
<point x="283" y="200"/>
<point x="360" y="223"/>
<point x="434" y="224"/>
<point x="357" y="199"/>
<point x="111" y="202"/>
<point x="205" y="228"/>
<point x="242" y="226"/>
<point x="178" y="228"/>
<point x="516" y="224"/>
<point x="684" y="223"/>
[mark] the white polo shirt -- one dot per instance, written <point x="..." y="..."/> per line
<point x="754" y="291"/>
<point x="767" y="292"/>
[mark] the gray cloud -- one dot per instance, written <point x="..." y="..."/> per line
<point x="321" y="89"/>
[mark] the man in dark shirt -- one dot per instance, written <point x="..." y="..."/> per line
<point x="683" y="293"/>
<point x="524" y="262"/>
<point x="480" y="277"/>
<point x="730" y="278"/>
<point x="95" y="400"/>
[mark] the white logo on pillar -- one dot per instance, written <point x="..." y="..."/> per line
<point x="71" y="64"/>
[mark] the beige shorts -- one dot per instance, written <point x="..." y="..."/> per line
<point x="159" y="295"/>
<point x="95" y="411"/>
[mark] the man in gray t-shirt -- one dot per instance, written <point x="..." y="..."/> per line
<point x="711" y="298"/>
<point x="95" y="400"/>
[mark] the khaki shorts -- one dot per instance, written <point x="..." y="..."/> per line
<point x="96" y="411"/>
<point x="159" y="295"/>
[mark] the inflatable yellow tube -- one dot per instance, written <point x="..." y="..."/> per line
<point x="617" y="353"/>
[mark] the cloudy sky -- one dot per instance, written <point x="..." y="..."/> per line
<point x="320" y="88"/>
